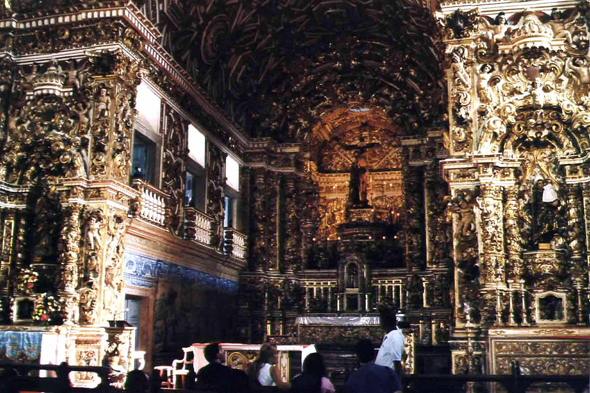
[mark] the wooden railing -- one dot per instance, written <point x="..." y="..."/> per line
<point x="235" y="243"/>
<point x="199" y="226"/>
<point x="509" y="383"/>
<point x="16" y="378"/>
<point x="153" y="202"/>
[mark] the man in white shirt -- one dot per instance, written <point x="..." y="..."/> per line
<point x="392" y="349"/>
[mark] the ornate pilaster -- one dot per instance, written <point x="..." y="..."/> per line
<point x="70" y="261"/>
<point x="292" y="229"/>
<point x="439" y="244"/>
<point x="493" y="270"/>
<point x="513" y="236"/>
<point x="492" y="213"/>
<point x="258" y="256"/>
<point x="575" y="237"/>
<point x="272" y="219"/>
<point x="216" y="192"/>
<point x="174" y="173"/>
<point x="414" y="230"/>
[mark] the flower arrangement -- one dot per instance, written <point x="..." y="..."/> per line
<point x="26" y="280"/>
<point x="48" y="309"/>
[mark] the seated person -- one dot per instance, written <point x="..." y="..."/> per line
<point x="264" y="372"/>
<point x="371" y="378"/>
<point x="216" y="375"/>
<point x="313" y="379"/>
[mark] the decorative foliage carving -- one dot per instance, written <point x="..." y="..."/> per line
<point x="113" y="262"/>
<point x="216" y="192"/>
<point x="175" y="148"/>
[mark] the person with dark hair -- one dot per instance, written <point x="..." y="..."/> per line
<point x="264" y="372"/>
<point x="218" y="376"/>
<point x="370" y="377"/>
<point x="313" y="379"/>
<point x="392" y="349"/>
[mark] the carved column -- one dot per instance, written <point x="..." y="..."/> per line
<point x="6" y="247"/>
<point x="216" y="193"/>
<point x="174" y="172"/>
<point x="292" y="231"/>
<point x="245" y="198"/>
<point x="435" y="191"/>
<point x="70" y="261"/>
<point x="414" y="195"/>
<point x="586" y="204"/>
<point x="257" y="238"/>
<point x="513" y="236"/>
<point x="493" y="267"/>
<point x="272" y="221"/>
<point x="575" y="237"/>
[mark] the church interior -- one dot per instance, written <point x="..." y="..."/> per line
<point x="177" y="172"/>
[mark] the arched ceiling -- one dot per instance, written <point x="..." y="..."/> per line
<point x="278" y="66"/>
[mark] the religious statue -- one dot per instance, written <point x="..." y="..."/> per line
<point x="357" y="194"/>
<point x="458" y="69"/>
<point x="546" y="211"/>
<point x="484" y="90"/>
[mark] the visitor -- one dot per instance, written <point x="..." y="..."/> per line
<point x="392" y="349"/>
<point x="370" y="377"/>
<point x="313" y="379"/>
<point x="218" y="376"/>
<point x="264" y="372"/>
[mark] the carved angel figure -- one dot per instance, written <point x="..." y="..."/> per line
<point x="458" y="70"/>
<point x="465" y="209"/>
<point x="580" y="66"/>
<point x="498" y="31"/>
<point x="103" y="104"/>
<point x="492" y="127"/>
<point x="93" y="232"/>
<point x="484" y="90"/>
<point x="560" y="27"/>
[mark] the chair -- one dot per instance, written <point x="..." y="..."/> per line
<point x="180" y="368"/>
<point x="168" y="379"/>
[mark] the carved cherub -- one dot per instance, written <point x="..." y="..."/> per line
<point x="580" y="65"/>
<point x="496" y="32"/>
<point x="484" y="90"/>
<point x="81" y="109"/>
<point x="560" y="27"/>
<point x="93" y="225"/>
<point x="103" y="104"/>
<point x="458" y="70"/>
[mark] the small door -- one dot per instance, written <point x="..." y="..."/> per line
<point x="132" y="316"/>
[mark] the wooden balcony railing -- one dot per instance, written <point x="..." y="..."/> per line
<point x="198" y="226"/>
<point x="153" y="202"/>
<point x="234" y="243"/>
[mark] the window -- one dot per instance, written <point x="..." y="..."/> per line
<point x="230" y="219"/>
<point x="196" y="145"/>
<point x="196" y="187"/>
<point x="147" y="141"/>
<point x="232" y="173"/>
<point x="144" y="158"/>
<point x="232" y="195"/>
<point x="148" y="105"/>
<point x="196" y="177"/>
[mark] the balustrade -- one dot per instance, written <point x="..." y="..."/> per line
<point x="199" y="226"/>
<point x="153" y="202"/>
<point x="235" y="243"/>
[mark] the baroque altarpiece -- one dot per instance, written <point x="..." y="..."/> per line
<point x="448" y="176"/>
